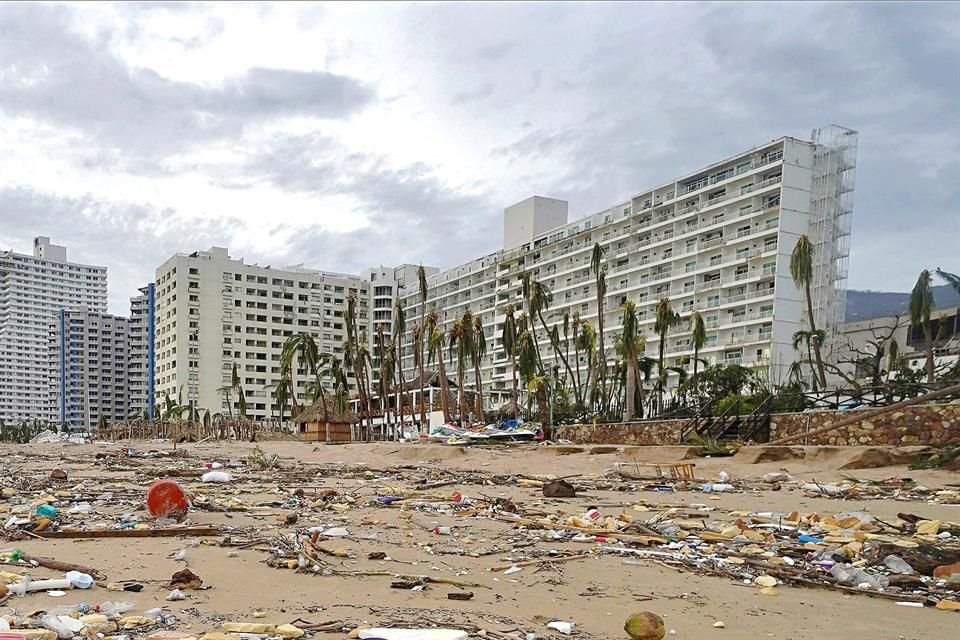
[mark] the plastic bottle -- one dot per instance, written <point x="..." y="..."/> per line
<point x="717" y="487"/>
<point x="840" y="574"/>
<point x="79" y="580"/>
<point x="111" y="609"/>
<point x="898" y="565"/>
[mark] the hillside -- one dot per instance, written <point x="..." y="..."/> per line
<point x="865" y="305"/>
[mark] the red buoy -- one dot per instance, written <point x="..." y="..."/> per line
<point x="165" y="499"/>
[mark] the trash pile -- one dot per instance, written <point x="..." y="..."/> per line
<point x="511" y="431"/>
<point x="422" y="530"/>
<point x="50" y="437"/>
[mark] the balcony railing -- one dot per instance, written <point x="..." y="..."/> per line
<point x="713" y="242"/>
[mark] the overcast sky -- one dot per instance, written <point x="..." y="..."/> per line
<point x="343" y="136"/>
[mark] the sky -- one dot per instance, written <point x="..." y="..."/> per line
<point x="343" y="136"/>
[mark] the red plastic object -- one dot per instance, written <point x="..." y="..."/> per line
<point x="165" y="499"/>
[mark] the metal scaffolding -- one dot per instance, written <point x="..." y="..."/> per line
<point x="831" y="221"/>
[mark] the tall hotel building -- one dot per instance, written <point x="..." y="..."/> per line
<point x="717" y="241"/>
<point x="213" y="311"/>
<point x="33" y="290"/>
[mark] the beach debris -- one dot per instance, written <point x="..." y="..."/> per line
<point x="645" y="625"/>
<point x="166" y="499"/>
<point x="216" y="476"/>
<point x="185" y="579"/>
<point x="566" y="628"/>
<point x="559" y="489"/>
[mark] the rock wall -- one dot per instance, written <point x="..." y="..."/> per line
<point x="924" y="424"/>
<point x="655" y="432"/>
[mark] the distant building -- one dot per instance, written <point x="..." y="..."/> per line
<point x="140" y="370"/>
<point x="88" y="369"/>
<point x="863" y="348"/>
<point x="33" y="290"/>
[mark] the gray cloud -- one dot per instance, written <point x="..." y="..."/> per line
<point x="596" y="104"/>
<point x="495" y="52"/>
<point x="131" y="240"/>
<point x="413" y="215"/>
<point x="727" y="84"/>
<point x="50" y="72"/>
<point x="473" y="95"/>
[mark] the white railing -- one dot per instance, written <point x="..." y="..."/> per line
<point x="709" y="244"/>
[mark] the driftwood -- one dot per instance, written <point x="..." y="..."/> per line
<point x="133" y="533"/>
<point x="57" y="565"/>
<point x="613" y="535"/>
<point x="529" y="563"/>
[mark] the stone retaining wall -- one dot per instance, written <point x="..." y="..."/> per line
<point x="924" y="424"/>
<point x="655" y="432"/>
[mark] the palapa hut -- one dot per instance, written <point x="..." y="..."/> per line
<point x="314" y="424"/>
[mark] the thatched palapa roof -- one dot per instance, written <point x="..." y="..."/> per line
<point x="316" y="413"/>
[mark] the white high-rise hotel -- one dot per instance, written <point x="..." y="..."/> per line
<point x="717" y="240"/>
<point x="33" y="290"/>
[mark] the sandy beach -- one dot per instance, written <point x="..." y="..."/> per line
<point x="596" y="593"/>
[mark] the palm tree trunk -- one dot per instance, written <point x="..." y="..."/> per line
<point x="813" y="366"/>
<point x="576" y="355"/>
<point x="630" y="400"/>
<point x="602" y="363"/>
<point x="556" y="347"/>
<point x="444" y="388"/>
<point x="928" y="350"/>
<point x="639" y="379"/>
<point x="479" y="402"/>
<point x="516" y="393"/>
<point x="398" y="381"/>
<point x="536" y="345"/>
<point x="461" y="395"/>
<point x="816" y="341"/>
<point x="423" y="337"/>
<point x="696" y="361"/>
<point x="661" y="347"/>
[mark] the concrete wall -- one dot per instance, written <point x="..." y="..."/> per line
<point x="927" y="424"/>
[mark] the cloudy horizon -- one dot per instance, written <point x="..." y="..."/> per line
<point x="344" y="136"/>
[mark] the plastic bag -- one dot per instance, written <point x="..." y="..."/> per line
<point x="216" y="476"/>
<point x="111" y="609"/>
<point x="63" y="626"/>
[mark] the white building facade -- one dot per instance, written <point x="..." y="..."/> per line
<point x="33" y="290"/>
<point x="89" y="355"/>
<point x="717" y="241"/>
<point x="213" y="311"/>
